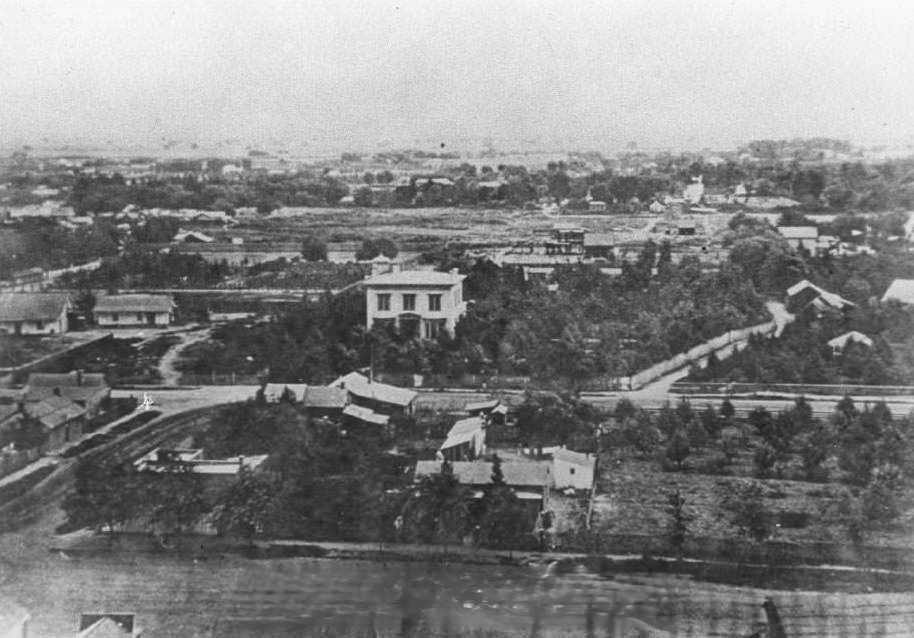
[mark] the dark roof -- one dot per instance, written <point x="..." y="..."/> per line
<point x="85" y="387"/>
<point x="32" y="306"/>
<point x="134" y="303"/>
<point x="321" y="396"/>
<point x="516" y="473"/>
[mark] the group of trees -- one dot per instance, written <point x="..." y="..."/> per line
<point x="147" y="268"/>
<point x="802" y="355"/>
<point x="442" y="510"/>
<point x="45" y="244"/>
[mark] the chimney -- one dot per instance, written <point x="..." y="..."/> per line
<point x="240" y="462"/>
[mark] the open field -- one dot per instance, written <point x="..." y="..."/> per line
<point x="409" y="225"/>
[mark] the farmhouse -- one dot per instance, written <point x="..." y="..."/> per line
<point x="325" y="401"/>
<point x="62" y="419"/>
<point x="839" y="343"/>
<point x="420" y="303"/>
<point x="87" y="390"/>
<point x="34" y="313"/>
<point x="529" y="479"/>
<point x="806" y="237"/>
<point x="901" y="290"/>
<point x="378" y="397"/>
<point x="134" y="310"/>
<point x="806" y="294"/>
<point x="466" y="440"/>
<point x="573" y="470"/>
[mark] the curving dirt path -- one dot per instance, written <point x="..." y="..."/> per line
<point x="169" y="374"/>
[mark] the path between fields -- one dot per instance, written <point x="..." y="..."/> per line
<point x="169" y="374"/>
<point x="661" y="387"/>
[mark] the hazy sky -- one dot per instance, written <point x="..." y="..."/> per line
<point x="655" y="72"/>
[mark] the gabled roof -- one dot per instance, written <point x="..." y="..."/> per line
<point x="365" y="414"/>
<point x="854" y="336"/>
<point x="105" y="628"/>
<point x="415" y="278"/>
<point x="32" y="306"/>
<point x="577" y="458"/>
<point x="799" y="232"/>
<point x="72" y="385"/>
<point x="516" y="473"/>
<point x="321" y="396"/>
<point x="462" y="431"/>
<point x="192" y="236"/>
<point x="490" y="404"/>
<point x="599" y="239"/>
<point x="134" y="303"/>
<point x="273" y="391"/>
<point x="828" y="298"/>
<point x="359" y="385"/>
<point x="900" y="289"/>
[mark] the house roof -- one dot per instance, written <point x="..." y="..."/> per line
<point x="599" y="239"/>
<point x="365" y="414"/>
<point x="41" y="385"/>
<point x="359" y="385"/>
<point x="192" y="236"/>
<point x="415" y="278"/>
<point x="855" y="336"/>
<point x="900" y="289"/>
<point x="577" y="458"/>
<point x="134" y="303"/>
<point x="273" y="391"/>
<point x="462" y="431"/>
<point x="516" y="473"/>
<point x="829" y="298"/>
<point x="54" y="411"/>
<point x="11" y="614"/>
<point x="481" y="405"/>
<point x="321" y="396"/>
<point x="32" y="306"/>
<point x="7" y="410"/>
<point x="105" y="628"/>
<point x="799" y="232"/>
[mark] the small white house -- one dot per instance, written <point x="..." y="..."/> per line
<point x="466" y="440"/>
<point x="806" y="237"/>
<point x="34" y="313"/>
<point x="573" y="469"/>
<point x="838" y="344"/>
<point x="134" y="310"/>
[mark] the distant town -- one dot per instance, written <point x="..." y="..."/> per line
<point x="692" y="363"/>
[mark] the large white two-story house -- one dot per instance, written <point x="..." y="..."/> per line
<point x="422" y="303"/>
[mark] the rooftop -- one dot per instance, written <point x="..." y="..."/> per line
<point x="415" y="278"/>
<point x="855" y="336"/>
<point x="320" y="396"/>
<point x="799" y="232"/>
<point x="365" y="414"/>
<point x="361" y="386"/>
<point x="577" y="458"/>
<point x="900" y="289"/>
<point x="516" y="473"/>
<point x="32" y="306"/>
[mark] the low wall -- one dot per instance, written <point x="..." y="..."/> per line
<point x="688" y="387"/>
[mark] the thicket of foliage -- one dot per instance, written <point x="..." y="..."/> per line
<point x="44" y="244"/>
<point x="802" y="355"/>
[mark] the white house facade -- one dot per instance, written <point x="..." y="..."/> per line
<point x="134" y="310"/>
<point x="422" y="303"/>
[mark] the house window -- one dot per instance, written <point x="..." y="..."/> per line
<point x="384" y="302"/>
<point x="433" y="328"/>
<point x="434" y="303"/>
<point x="409" y="302"/>
<point x="39" y="325"/>
<point x="571" y="470"/>
<point x="114" y="316"/>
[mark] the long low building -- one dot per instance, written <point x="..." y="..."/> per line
<point x="34" y="313"/>
<point x="134" y="310"/>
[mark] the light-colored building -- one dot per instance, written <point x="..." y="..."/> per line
<point x="421" y="303"/>
<point x="806" y="237"/>
<point x="381" y="398"/>
<point x="34" y="313"/>
<point x="134" y="310"/>
<point x="901" y="290"/>
<point x="466" y="440"/>
<point x="14" y="620"/>
<point x="838" y="344"/>
<point x="573" y="469"/>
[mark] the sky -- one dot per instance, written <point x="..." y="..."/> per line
<point x="367" y="74"/>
